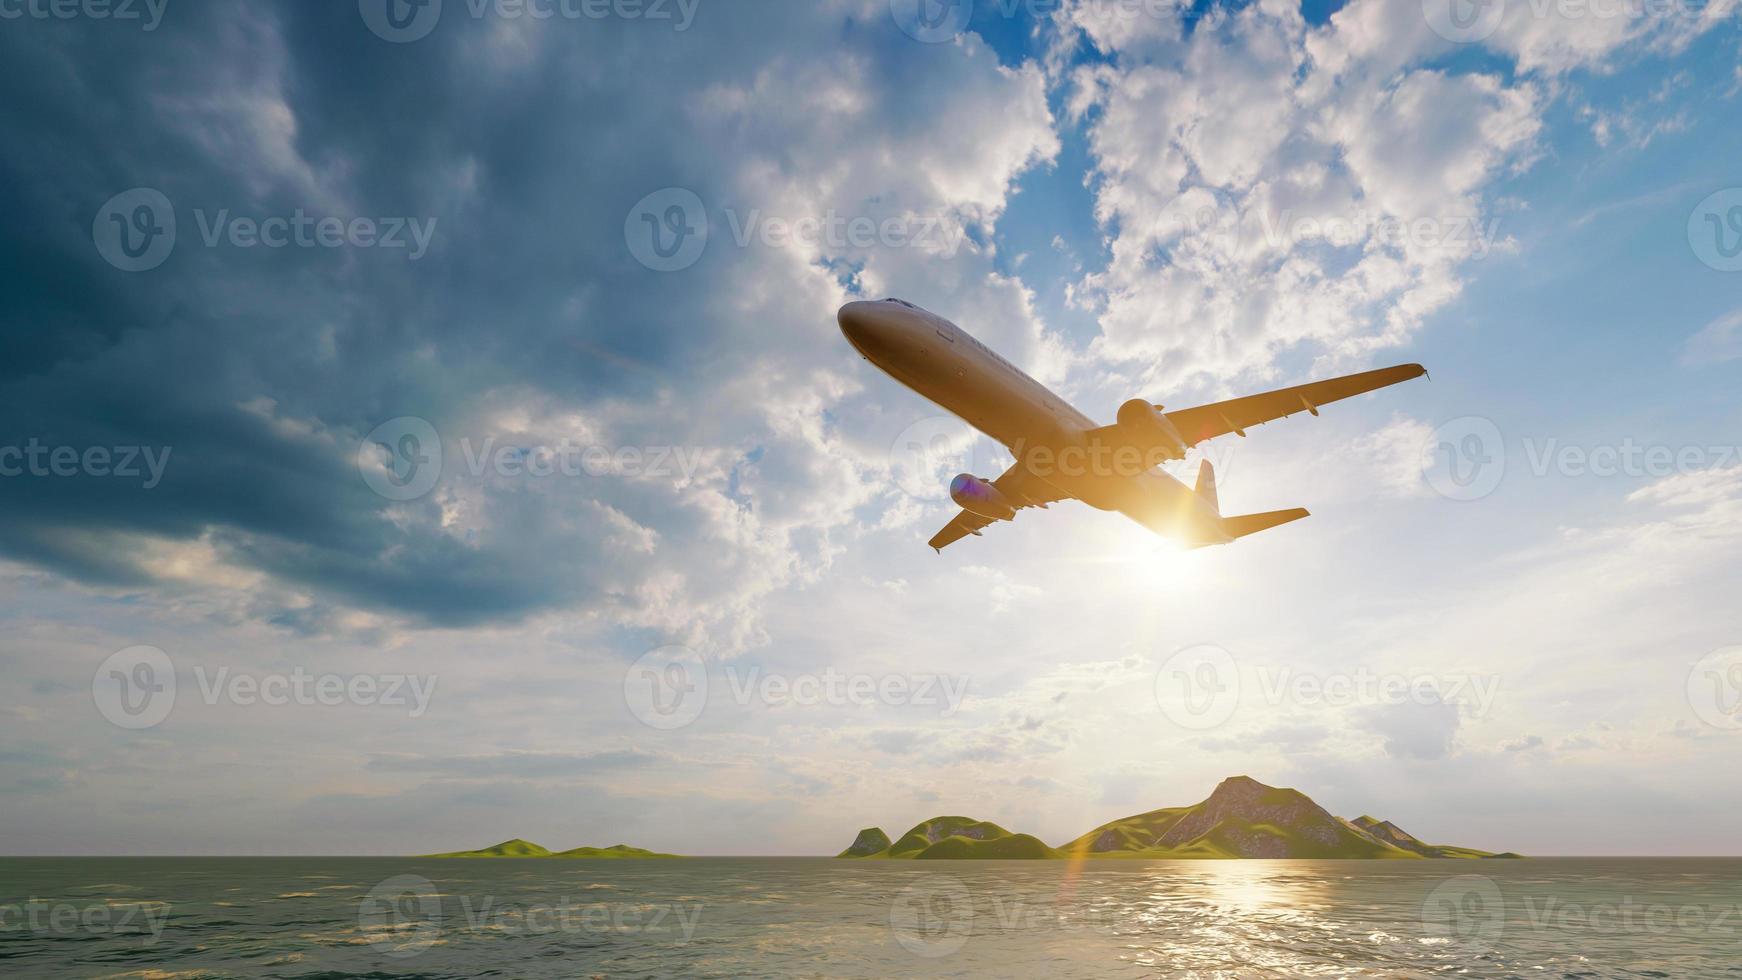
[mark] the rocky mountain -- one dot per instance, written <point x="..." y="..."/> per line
<point x="1242" y="818"/>
<point x="870" y="841"/>
<point x="1390" y="833"/>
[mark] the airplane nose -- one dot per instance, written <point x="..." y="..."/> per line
<point x="857" y="321"/>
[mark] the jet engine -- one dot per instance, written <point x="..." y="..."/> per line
<point x="1146" y="424"/>
<point x="980" y="498"/>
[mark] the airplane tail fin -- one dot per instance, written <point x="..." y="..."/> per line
<point x="1206" y="487"/>
<point x="1239" y="527"/>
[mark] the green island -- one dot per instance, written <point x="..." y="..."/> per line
<point x="1243" y="818"/>
<point x="518" y="848"/>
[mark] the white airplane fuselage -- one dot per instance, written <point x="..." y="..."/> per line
<point x="946" y="365"/>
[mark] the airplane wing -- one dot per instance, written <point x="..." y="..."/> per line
<point x="1237" y="415"/>
<point x="1022" y="488"/>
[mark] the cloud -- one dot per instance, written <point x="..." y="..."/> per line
<point x="1269" y="186"/>
<point x="525" y="765"/>
<point x="1719" y="341"/>
<point x="528" y="323"/>
<point x="1412" y="730"/>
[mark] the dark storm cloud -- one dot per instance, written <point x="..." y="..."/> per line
<point x="525" y="155"/>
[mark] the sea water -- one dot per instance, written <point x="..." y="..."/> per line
<point x="164" y="918"/>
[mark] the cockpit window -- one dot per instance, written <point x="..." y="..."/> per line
<point x="902" y="302"/>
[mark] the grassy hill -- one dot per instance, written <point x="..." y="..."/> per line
<point x="1396" y="836"/>
<point x="515" y="848"/>
<point x="951" y="838"/>
<point x="614" y="851"/>
<point x="518" y="848"/>
<point x="1242" y="818"/>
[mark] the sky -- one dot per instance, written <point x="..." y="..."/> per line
<point x="428" y="424"/>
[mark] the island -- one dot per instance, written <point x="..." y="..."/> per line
<point x="1242" y="818"/>
<point x="518" y="848"/>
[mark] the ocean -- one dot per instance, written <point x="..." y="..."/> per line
<point x="174" y="918"/>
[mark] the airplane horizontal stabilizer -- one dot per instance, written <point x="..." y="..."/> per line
<point x="1239" y="527"/>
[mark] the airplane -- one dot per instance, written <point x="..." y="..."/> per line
<point x="1061" y="454"/>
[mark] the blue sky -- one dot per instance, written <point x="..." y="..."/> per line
<point x="1128" y="200"/>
